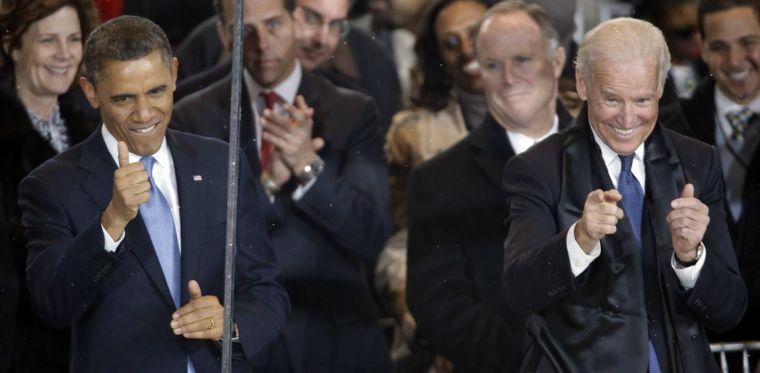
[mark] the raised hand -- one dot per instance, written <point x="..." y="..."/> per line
<point x="600" y="217"/>
<point x="291" y="135"/>
<point x="688" y="223"/>
<point x="201" y="317"/>
<point x="131" y="188"/>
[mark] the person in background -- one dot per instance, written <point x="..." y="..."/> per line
<point x="678" y="21"/>
<point x="318" y="151"/>
<point x="449" y="103"/>
<point x="42" y="115"/>
<point x="457" y="207"/>
<point x="725" y="112"/>
<point x="395" y="24"/>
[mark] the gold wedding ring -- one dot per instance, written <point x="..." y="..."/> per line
<point x="213" y="323"/>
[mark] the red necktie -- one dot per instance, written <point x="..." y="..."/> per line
<point x="270" y="98"/>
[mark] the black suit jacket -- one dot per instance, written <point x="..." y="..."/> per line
<point x="22" y="149"/>
<point x="118" y="305"/>
<point x="700" y="113"/>
<point x="600" y="320"/>
<point x="326" y="240"/>
<point x="456" y="231"/>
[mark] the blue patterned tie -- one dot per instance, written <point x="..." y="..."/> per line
<point x="633" y="205"/>
<point x="157" y="215"/>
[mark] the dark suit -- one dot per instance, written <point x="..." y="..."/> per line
<point x="326" y="240"/>
<point x="37" y="346"/>
<point x="700" y="113"/>
<point x="456" y="232"/>
<point x="601" y="320"/>
<point x="375" y="70"/>
<point x="118" y="304"/>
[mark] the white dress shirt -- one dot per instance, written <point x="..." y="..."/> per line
<point x="521" y="143"/>
<point x="163" y="176"/>
<point x="734" y="173"/>
<point x="579" y="260"/>
<point x="287" y="90"/>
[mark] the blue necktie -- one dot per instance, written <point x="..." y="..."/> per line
<point x="157" y="215"/>
<point x="633" y="205"/>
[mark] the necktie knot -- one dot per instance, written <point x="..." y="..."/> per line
<point x="739" y="120"/>
<point x="625" y="162"/>
<point x="148" y="162"/>
<point x="270" y="98"/>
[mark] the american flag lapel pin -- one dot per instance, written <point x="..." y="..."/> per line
<point x="197" y="178"/>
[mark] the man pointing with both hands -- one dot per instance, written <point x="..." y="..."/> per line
<point x="618" y="252"/>
<point x="126" y="232"/>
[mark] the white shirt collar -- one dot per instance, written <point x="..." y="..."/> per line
<point x="521" y="142"/>
<point x="724" y="105"/>
<point x="287" y="89"/>
<point x="162" y="156"/>
<point x="612" y="160"/>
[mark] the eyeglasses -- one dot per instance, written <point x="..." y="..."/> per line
<point x="316" y="21"/>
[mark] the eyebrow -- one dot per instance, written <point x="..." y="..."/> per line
<point x="156" y="89"/>
<point x="159" y="89"/>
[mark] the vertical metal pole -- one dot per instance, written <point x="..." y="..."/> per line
<point x="232" y="187"/>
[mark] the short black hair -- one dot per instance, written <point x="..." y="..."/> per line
<point x="434" y="90"/>
<point x="124" y="38"/>
<point x="289" y="5"/>
<point x="713" y="6"/>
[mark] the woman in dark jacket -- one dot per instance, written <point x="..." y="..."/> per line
<point x="42" y="113"/>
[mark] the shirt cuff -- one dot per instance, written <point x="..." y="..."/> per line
<point x="688" y="275"/>
<point x="302" y="189"/>
<point x="579" y="260"/>
<point x="110" y="244"/>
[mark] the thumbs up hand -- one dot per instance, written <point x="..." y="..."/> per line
<point x="131" y="188"/>
<point x="201" y="317"/>
<point x="688" y="222"/>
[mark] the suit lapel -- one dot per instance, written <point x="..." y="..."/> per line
<point x="191" y="196"/>
<point x="307" y="88"/>
<point x="99" y="186"/>
<point x="98" y="163"/>
<point x="663" y="169"/>
<point x="492" y="150"/>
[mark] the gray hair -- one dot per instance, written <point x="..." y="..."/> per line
<point x="623" y="39"/>
<point x="124" y="38"/>
<point x="536" y="12"/>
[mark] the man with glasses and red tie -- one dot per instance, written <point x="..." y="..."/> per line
<point x="318" y="151"/>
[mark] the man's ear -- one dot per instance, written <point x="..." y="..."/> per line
<point x="89" y="91"/>
<point x="174" y="68"/>
<point x="559" y="61"/>
<point x="580" y="85"/>
<point x="224" y="36"/>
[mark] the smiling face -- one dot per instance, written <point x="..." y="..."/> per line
<point x="622" y="101"/>
<point x="453" y="28"/>
<point x="320" y="24"/>
<point x="48" y="59"/>
<point x="135" y="99"/>
<point x="732" y="51"/>
<point x="519" y="76"/>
